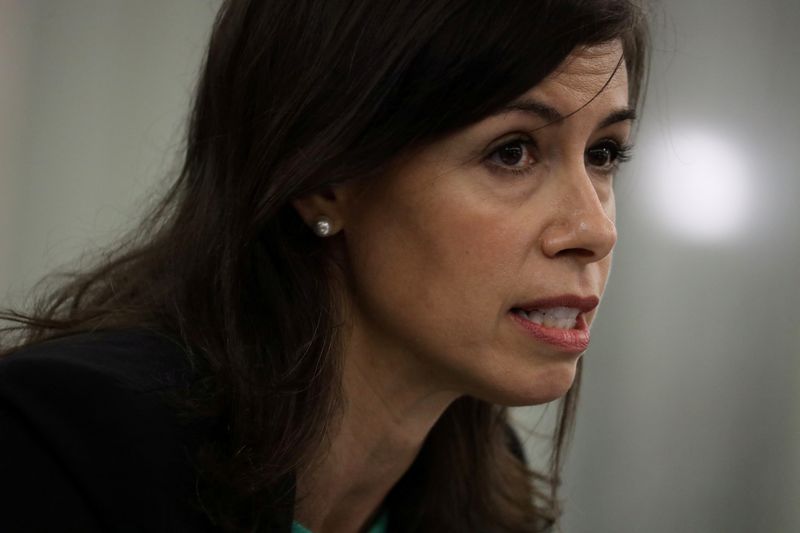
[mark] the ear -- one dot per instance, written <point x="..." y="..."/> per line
<point x="330" y="203"/>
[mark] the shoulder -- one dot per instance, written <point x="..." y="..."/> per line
<point x="135" y="359"/>
<point x="95" y="390"/>
<point x="88" y="414"/>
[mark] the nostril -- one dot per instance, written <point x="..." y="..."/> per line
<point x="575" y="252"/>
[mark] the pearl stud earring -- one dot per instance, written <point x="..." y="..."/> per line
<point x="322" y="226"/>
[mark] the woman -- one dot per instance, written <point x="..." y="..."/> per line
<point x="394" y="219"/>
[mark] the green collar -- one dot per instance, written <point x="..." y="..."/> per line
<point x="379" y="526"/>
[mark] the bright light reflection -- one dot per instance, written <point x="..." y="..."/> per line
<point x="700" y="185"/>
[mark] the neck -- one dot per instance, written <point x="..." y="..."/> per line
<point x="386" y="417"/>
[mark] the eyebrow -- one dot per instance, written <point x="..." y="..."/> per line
<point x="551" y="114"/>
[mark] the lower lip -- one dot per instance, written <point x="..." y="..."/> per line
<point x="574" y="341"/>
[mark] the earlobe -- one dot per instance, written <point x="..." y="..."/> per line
<point x="322" y="212"/>
<point x="323" y="227"/>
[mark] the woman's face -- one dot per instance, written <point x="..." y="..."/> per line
<point x="514" y="213"/>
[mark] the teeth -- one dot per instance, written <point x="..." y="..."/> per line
<point x="555" y="317"/>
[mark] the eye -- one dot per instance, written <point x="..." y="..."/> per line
<point x="513" y="156"/>
<point x="607" y="155"/>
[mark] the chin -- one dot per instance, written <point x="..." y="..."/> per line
<point x="545" y="386"/>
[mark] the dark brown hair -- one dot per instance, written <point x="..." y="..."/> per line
<point x="296" y="96"/>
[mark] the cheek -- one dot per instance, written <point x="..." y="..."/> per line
<point x="611" y="211"/>
<point x="611" y="206"/>
<point x="435" y="270"/>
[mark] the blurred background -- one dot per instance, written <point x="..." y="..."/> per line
<point x="690" y="410"/>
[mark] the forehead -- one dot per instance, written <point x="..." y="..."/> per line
<point x="590" y="72"/>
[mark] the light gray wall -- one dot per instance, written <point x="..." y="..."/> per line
<point x="93" y="94"/>
<point x="690" y="410"/>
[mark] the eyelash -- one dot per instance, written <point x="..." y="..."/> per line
<point x="620" y="153"/>
<point x="500" y="167"/>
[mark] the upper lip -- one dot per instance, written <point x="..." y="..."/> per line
<point x="583" y="303"/>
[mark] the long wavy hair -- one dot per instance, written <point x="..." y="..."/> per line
<point x="296" y="96"/>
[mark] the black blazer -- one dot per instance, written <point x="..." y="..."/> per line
<point x="88" y="442"/>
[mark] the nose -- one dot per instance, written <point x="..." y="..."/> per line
<point x="583" y="227"/>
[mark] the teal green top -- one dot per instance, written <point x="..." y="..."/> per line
<point x="378" y="527"/>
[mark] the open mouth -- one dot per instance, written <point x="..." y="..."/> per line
<point x="559" y="322"/>
<point x="554" y="317"/>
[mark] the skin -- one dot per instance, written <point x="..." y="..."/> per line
<point x="439" y="252"/>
